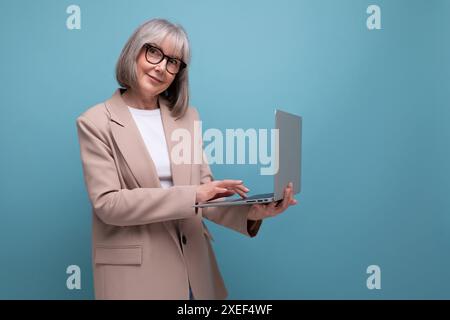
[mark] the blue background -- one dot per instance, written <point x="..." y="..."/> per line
<point x="375" y="106"/>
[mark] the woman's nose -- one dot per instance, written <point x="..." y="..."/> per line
<point x="162" y="65"/>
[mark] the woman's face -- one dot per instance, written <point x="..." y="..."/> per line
<point x="154" y="79"/>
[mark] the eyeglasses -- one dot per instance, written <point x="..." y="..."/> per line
<point x="154" y="55"/>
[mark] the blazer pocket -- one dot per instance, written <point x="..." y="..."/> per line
<point x="122" y="255"/>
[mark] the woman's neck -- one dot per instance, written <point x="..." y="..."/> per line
<point x="139" y="101"/>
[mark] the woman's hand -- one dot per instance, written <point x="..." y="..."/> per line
<point x="220" y="188"/>
<point x="262" y="211"/>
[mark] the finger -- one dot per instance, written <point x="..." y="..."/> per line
<point x="221" y="195"/>
<point x="270" y="209"/>
<point x="226" y="193"/>
<point x="220" y="190"/>
<point x="274" y="206"/>
<point x="241" y="190"/>
<point x="286" y="197"/>
<point x="284" y="204"/>
<point x="241" y="193"/>
<point x="259" y="206"/>
<point x="242" y="187"/>
<point x="291" y="200"/>
<point x="290" y="196"/>
<point x="228" y="183"/>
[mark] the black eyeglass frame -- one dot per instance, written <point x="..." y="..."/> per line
<point x="164" y="56"/>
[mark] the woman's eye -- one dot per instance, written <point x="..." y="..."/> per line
<point x="173" y="61"/>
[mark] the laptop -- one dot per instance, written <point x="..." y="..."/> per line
<point x="289" y="164"/>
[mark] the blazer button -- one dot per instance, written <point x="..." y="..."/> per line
<point x="183" y="239"/>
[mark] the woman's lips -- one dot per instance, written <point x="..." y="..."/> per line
<point x="154" y="79"/>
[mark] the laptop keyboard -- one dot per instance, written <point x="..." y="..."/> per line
<point x="256" y="196"/>
<point x="259" y="196"/>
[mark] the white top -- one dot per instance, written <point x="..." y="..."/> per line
<point x="151" y="128"/>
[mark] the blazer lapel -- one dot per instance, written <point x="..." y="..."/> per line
<point x="181" y="173"/>
<point x="129" y="140"/>
<point x="130" y="143"/>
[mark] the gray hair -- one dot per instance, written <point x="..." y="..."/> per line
<point x="153" y="31"/>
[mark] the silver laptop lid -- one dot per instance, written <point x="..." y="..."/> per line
<point x="289" y="142"/>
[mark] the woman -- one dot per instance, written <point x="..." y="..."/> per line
<point x="148" y="242"/>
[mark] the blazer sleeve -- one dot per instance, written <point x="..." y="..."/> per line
<point x="124" y="207"/>
<point x="233" y="217"/>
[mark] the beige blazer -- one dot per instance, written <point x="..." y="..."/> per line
<point x="136" y="251"/>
